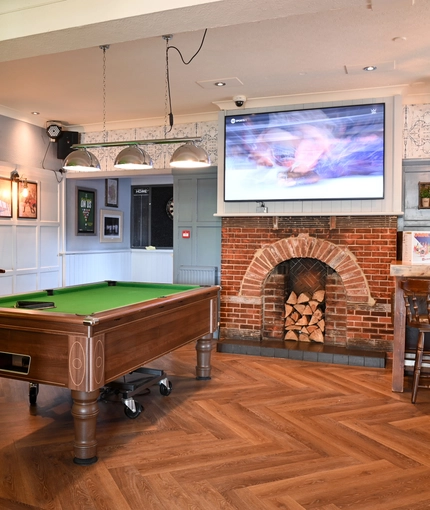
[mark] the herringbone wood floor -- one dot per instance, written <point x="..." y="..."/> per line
<point x="263" y="434"/>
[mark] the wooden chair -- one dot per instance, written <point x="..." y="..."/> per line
<point x="417" y="300"/>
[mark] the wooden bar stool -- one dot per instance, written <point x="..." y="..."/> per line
<point x="417" y="300"/>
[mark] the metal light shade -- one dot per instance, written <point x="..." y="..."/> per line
<point x="190" y="156"/>
<point x="81" y="161"/>
<point x="133" y="158"/>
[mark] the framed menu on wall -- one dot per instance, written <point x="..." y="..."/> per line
<point x="86" y="211"/>
<point x="111" y="193"/>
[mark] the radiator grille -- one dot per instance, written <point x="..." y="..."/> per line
<point x="197" y="275"/>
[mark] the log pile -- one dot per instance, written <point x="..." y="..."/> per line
<point x="304" y="317"/>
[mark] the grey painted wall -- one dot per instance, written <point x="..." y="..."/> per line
<point x="26" y="145"/>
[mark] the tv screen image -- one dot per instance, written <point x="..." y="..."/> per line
<point x="330" y="153"/>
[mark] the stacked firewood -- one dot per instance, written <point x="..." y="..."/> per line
<point x="304" y="317"/>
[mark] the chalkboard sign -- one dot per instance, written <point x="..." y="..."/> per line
<point x="86" y="211"/>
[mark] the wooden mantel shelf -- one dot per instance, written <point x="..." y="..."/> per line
<point x="410" y="270"/>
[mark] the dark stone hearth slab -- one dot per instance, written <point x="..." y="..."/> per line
<point x="304" y="351"/>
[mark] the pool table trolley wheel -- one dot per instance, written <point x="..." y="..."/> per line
<point x="165" y="387"/>
<point x="138" y="380"/>
<point x="132" y="408"/>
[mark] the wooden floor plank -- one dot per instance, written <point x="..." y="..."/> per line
<point x="135" y="488"/>
<point x="204" y="495"/>
<point x="262" y="434"/>
<point x="398" y="441"/>
<point x="286" y="503"/>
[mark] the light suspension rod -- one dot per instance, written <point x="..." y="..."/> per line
<point x="121" y="143"/>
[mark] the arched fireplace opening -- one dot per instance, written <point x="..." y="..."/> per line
<point x="301" y="300"/>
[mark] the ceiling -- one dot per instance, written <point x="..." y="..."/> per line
<point x="261" y="48"/>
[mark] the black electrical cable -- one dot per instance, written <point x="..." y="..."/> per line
<point x="195" y="54"/>
<point x="168" y="73"/>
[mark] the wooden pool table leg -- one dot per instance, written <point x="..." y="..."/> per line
<point x="85" y="410"/>
<point x="204" y="350"/>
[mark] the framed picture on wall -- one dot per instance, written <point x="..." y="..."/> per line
<point x="27" y="199"/>
<point x="5" y="198"/>
<point x="86" y="211"/>
<point x="111" y="193"/>
<point x="110" y="226"/>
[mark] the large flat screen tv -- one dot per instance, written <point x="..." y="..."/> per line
<point x="330" y="153"/>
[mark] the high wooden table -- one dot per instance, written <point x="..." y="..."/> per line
<point x="402" y="272"/>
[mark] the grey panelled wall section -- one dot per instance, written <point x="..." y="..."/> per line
<point x="415" y="217"/>
<point x="195" y="203"/>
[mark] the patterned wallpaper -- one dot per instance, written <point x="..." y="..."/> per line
<point x="416" y="131"/>
<point x="161" y="154"/>
<point x="416" y="138"/>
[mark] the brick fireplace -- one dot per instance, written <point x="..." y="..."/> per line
<point x="357" y="252"/>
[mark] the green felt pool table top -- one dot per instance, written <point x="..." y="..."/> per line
<point x="96" y="297"/>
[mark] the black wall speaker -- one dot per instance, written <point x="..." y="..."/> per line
<point x="66" y="139"/>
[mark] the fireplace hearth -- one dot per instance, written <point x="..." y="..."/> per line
<point x="303" y="351"/>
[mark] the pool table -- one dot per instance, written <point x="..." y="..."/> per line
<point x="85" y="336"/>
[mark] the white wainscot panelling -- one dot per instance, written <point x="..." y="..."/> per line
<point x="26" y="247"/>
<point x="6" y="285"/>
<point x="26" y="282"/>
<point x="6" y="247"/>
<point x="87" y="267"/>
<point x="49" y="257"/>
<point x="49" y="280"/>
<point x="152" y="266"/>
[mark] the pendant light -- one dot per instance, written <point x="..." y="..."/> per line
<point x="133" y="158"/>
<point x="81" y="160"/>
<point x="188" y="155"/>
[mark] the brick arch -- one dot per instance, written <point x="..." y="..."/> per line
<point x="303" y="246"/>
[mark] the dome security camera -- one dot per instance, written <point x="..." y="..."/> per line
<point x="239" y="101"/>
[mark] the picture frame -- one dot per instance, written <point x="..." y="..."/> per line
<point x="5" y="198"/>
<point x="111" y="225"/>
<point x="86" y="208"/>
<point x="111" y="192"/>
<point x="27" y="200"/>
